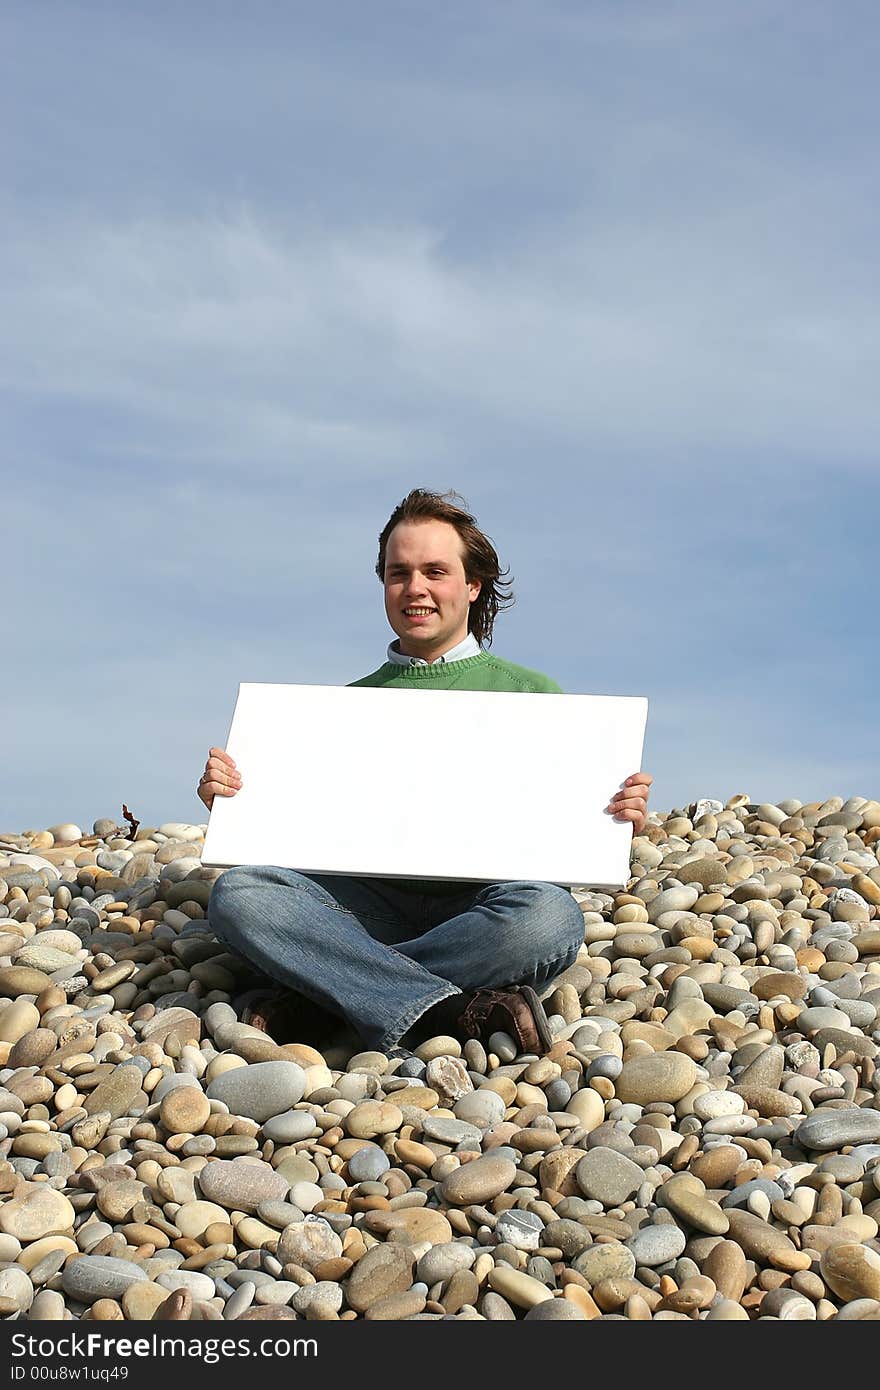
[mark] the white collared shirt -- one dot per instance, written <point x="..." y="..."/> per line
<point x="469" y="647"/>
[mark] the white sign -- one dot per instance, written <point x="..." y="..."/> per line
<point x="446" y="784"/>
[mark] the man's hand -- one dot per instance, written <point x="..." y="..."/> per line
<point x="631" y="802"/>
<point x="220" y="777"/>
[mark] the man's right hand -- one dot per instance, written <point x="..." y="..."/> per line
<point x="220" y="777"/>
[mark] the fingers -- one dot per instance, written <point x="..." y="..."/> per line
<point x="220" y="777"/>
<point x="630" y="803"/>
<point x="220" y="755"/>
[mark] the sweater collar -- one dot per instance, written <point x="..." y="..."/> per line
<point x="469" y="647"/>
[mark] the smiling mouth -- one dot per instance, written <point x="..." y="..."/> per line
<point x="418" y="612"/>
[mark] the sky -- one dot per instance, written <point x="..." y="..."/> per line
<point x="606" y="268"/>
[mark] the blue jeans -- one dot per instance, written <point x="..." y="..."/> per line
<point x="379" y="955"/>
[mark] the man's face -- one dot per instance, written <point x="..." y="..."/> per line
<point x="427" y="594"/>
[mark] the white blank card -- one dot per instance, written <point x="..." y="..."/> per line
<point x="444" y="784"/>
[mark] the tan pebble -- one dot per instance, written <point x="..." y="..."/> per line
<point x="422" y="1097"/>
<point x="588" y="1108"/>
<point x="38" y="1211"/>
<point x="218" y="1233"/>
<point x="21" y="979"/>
<point x="51" y="998"/>
<point x="411" y="1225"/>
<point x="303" y="1054"/>
<point x="557" y="1171"/>
<point x="852" y="1271"/>
<point x="582" y="1299"/>
<point x="396" y="1307"/>
<point x="717" y="1167"/>
<point x="727" y="1310"/>
<point x="116" y="1199"/>
<point x="193" y="1218"/>
<point x="18" y="1020"/>
<point x="66" y="1098"/>
<point x="38" y="1249"/>
<point x="107" y="1310"/>
<point x="726" y="1266"/>
<point x="518" y="1288"/>
<point x="408" y="1151"/>
<point x="503" y="1086"/>
<point x="256" y="1235"/>
<point x="218" y="1066"/>
<point x="441" y="1046"/>
<point x="139" y="1233"/>
<point x="184" y="1110"/>
<point x="636" y="1309"/>
<point x="371" y="1118"/>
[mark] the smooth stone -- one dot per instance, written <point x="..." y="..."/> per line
<point x="99" y="1276"/>
<point x="852" y="1271"/>
<point x="411" y="1226"/>
<point x="21" y="979"/>
<point x="666" y="1076"/>
<point x="290" y="1127"/>
<point x="442" y="1262"/>
<point x="17" y="1020"/>
<point x="184" y="1110"/>
<point x="605" y="1176"/>
<point x="308" y="1243"/>
<point x="449" y="1131"/>
<point x="479" y="1181"/>
<point x="48" y="1306"/>
<point x="481" y="1108"/>
<point x="555" y="1310"/>
<point x="318" y="1302"/>
<point x="611" y="1260"/>
<point x="368" y="1164"/>
<point x="261" y="1090"/>
<point x="657" y="1244"/>
<point x="15" y="1288"/>
<point x="241" y="1186"/>
<point x="827" y="1129"/>
<point x="140" y="1301"/>
<point x="694" y="1208"/>
<point x="372" y="1117"/>
<point x="194" y="1217"/>
<point x="117" y="1094"/>
<point x="383" y="1271"/>
<point x="518" y="1288"/>
<point x="199" y="1285"/>
<point x="39" y="1211"/>
<point x="762" y="1241"/>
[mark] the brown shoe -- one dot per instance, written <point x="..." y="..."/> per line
<point x="286" y="1016"/>
<point x="516" y="1010"/>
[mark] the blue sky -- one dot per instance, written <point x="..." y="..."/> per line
<point x="607" y="269"/>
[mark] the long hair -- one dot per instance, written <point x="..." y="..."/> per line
<point x="480" y="558"/>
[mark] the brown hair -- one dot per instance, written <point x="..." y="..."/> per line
<point x="480" y="558"/>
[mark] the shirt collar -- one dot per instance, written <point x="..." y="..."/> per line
<point x="469" y="647"/>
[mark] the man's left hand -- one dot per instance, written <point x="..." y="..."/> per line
<point x="631" y="802"/>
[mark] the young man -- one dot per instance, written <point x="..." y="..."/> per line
<point x="390" y="955"/>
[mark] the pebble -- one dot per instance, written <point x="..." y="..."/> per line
<point x="702" y="1141"/>
<point x="241" y="1186"/>
<point x="261" y="1090"/>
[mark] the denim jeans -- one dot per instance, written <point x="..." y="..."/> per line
<point x="380" y="955"/>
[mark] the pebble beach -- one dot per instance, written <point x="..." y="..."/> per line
<point x="701" y="1142"/>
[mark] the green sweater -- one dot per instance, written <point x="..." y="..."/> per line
<point x="481" y="672"/>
